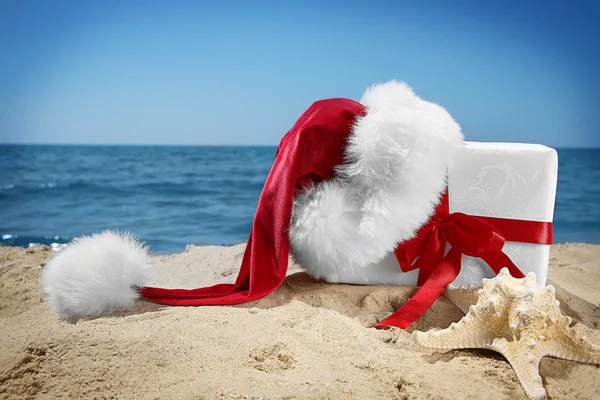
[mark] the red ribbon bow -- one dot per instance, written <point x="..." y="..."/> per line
<point x="481" y="237"/>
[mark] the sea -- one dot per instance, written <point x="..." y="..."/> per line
<point x="205" y="195"/>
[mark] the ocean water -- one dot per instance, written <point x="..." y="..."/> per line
<point x="174" y="196"/>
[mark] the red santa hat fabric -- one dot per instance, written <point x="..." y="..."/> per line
<point x="349" y="182"/>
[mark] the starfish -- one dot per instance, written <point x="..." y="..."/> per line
<point x="518" y="320"/>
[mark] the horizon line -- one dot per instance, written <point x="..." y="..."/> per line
<point x="138" y="144"/>
<point x="592" y="147"/>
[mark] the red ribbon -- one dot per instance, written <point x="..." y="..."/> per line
<point x="475" y="236"/>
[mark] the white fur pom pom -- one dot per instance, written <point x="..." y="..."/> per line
<point x="96" y="274"/>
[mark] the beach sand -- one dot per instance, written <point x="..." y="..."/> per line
<point x="307" y="340"/>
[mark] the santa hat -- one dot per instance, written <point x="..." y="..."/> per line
<point x="350" y="181"/>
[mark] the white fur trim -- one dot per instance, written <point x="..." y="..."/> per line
<point x="395" y="169"/>
<point x="96" y="274"/>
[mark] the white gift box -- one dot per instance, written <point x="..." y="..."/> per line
<point x="501" y="180"/>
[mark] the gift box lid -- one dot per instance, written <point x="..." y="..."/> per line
<point x="504" y="180"/>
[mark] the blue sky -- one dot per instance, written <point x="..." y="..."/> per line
<point x="196" y="72"/>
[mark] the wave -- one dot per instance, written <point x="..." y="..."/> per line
<point x="55" y="242"/>
<point x="194" y="187"/>
<point x="158" y="246"/>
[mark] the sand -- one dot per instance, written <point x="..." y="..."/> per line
<point x="307" y="340"/>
